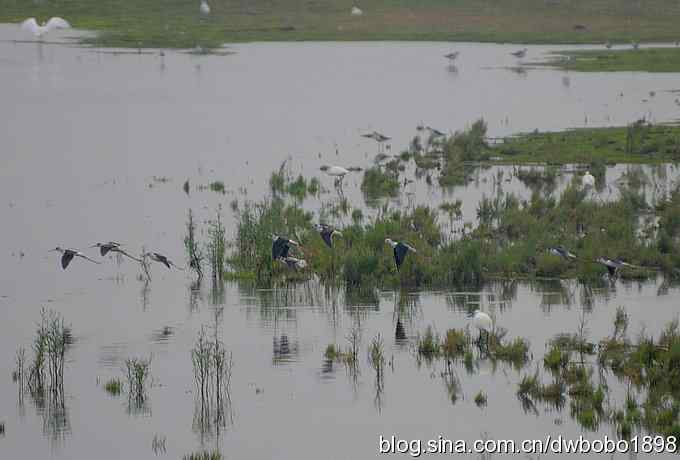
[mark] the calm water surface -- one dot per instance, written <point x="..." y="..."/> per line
<point x="85" y="131"/>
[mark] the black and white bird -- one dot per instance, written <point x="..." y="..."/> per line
<point x="400" y="250"/>
<point x="327" y="233"/>
<point x="561" y="251"/>
<point x="376" y="136"/>
<point x="156" y="257"/>
<point x="613" y="265"/>
<point x="452" y="55"/>
<point x="112" y="246"/>
<point x="519" y="53"/>
<point x="67" y="256"/>
<point x="294" y="262"/>
<point x="435" y="132"/>
<point x="281" y="247"/>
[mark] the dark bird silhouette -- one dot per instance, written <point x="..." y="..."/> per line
<point x="281" y="247"/>
<point x="112" y="246"/>
<point x="156" y="257"/>
<point x="400" y="250"/>
<point x="327" y="232"/>
<point x="67" y="256"/>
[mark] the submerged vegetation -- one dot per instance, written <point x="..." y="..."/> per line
<point x="618" y="60"/>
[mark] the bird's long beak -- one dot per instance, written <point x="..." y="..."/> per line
<point x="294" y="242"/>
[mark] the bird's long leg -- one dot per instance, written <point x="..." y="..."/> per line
<point x="120" y="251"/>
<point x="87" y="258"/>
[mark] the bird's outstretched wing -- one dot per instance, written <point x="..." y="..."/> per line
<point x="85" y="257"/>
<point x="30" y="25"/>
<point x="57" y="23"/>
<point x="66" y="259"/>
<point x="120" y="251"/>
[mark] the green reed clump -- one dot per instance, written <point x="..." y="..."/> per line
<point x="481" y="399"/>
<point x="114" y="386"/>
<point x="138" y="373"/>
<point x="460" y="150"/>
<point x="217" y="186"/>
<point x="378" y="182"/>
<point x="456" y="343"/>
<point x="204" y="455"/>
<point x="192" y="248"/>
<point x="556" y="359"/>
<point x="216" y="246"/>
<point x="515" y="352"/>
<point x="428" y="343"/>
<point x="212" y="367"/>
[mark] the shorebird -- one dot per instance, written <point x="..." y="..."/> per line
<point x="400" y="250"/>
<point x="293" y="262"/>
<point x="67" y="256"/>
<point x="32" y="26"/>
<point x="588" y="180"/>
<point x="520" y="53"/>
<point x="452" y="55"/>
<point x="204" y="8"/>
<point x="112" y="246"/>
<point x="562" y="252"/>
<point x="482" y="322"/>
<point x="435" y="132"/>
<point x="156" y="257"/>
<point x="281" y="247"/>
<point x="327" y="232"/>
<point x="338" y="172"/>
<point x="613" y="265"/>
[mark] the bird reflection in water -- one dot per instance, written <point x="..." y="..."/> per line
<point x="283" y="350"/>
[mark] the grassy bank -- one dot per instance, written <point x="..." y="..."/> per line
<point x="174" y="23"/>
<point x="643" y="60"/>
<point x="637" y="143"/>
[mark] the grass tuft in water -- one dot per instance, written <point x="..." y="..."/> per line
<point x="378" y="183"/>
<point x="204" y="455"/>
<point x="428" y="344"/>
<point x="217" y="186"/>
<point x="216" y="246"/>
<point x="481" y="399"/>
<point x="192" y="248"/>
<point x="114" y="387"/>
<point x="138" y="373"/>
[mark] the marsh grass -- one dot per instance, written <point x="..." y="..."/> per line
<point x="204" y="455"/>
<point x="114" y="387"/>
<point x="619" y="60"/>
<point x="216" y="246"/>
<point x="428" y="344"/>
<point x="217" y="186"/>
<point x="138" y="374"/>
<point x="481" y="399"/>
<point x="193" y="248"/>
<point x="380" y="182"/>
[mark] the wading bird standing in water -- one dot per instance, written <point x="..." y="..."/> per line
<point x="588" y="180"/>
<point x="482" y="322"/>
<point x="327" y="233"/>
<point x="67" y="256"/>
<point x="400" y="250"/>
<point x="31" y="25"/>
<point x="338" y="172"/>
<point x="520" y="53"/>
<point x="156" y="257"/>
<point x="452" y="56"/>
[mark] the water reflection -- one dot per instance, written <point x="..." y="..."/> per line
<point x="283" y="351"/>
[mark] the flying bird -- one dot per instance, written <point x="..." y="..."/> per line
<point x="520" y="53"/>
<point x="293" y="262"/>
<point x="452" y="56"/>
<point x="560" y="251"/>
<point x="376" y="136"/>
<point x="588" y="180"/>
<point x="31" y="25"/>
<point x="327" y="232"/>
<point x="156" y="257"/>
<point x="281" y="247"/>
<point x="400" y="250"/>
<point x="112" y="246"/>
<point x="613" y="265"/>
<point x="435" y="132"/>
<point x="67" y="256"/>
<point x="204" y="8"/>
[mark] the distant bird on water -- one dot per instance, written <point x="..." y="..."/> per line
<point x="520" y="53"/>
<point x="156" y="257"/>
<point x="400" y="250"/>
<point x="327" y="233"/>
<point x="452" y="56"/>
<point x="281" y="247"/>
<point x="67" y="256"/>
<point x="562" y="252"/>
<point x="204" y="8"/>
<point x="588" y="180"/>
<point x="31" y="25"/>
<point x="112" y="246"/>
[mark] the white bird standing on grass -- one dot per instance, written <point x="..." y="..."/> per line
<point x="204" y="8"/>
<point x="356" y="11"/>
<point x="588" y="180"/>
<point x="31" y="25"/>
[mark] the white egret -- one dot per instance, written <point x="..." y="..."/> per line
<point x="204" y="8"/>
<point x="588" y="180"/>
<point x="482" y="322"/>
<point x="356" y="11"/>
<point x="31" y="25"/>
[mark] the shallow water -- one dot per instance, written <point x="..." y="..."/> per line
<point x="85" y="131"/>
